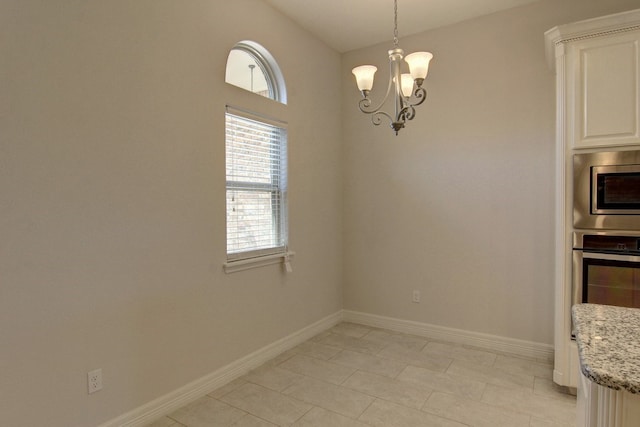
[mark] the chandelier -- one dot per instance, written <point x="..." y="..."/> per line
<point x="406" y="97"/>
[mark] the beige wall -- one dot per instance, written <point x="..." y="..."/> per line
<point x="460" y="205"/>
<point x="112" y="220"/>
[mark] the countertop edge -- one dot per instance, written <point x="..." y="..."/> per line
<point x="617" y="368"/>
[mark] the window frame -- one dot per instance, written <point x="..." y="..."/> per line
<point x="277" y="186"/>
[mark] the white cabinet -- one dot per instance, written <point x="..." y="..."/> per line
<point x="604" y="97"/>
<point x="599" y="406"/>
<point x="597" y="80"/>
<point x="596" y="63"/>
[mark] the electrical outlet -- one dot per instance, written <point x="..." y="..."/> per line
<point x="94" y="381"/>
<point x="416" y="296"/>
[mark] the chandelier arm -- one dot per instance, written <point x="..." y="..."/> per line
<point x="376" y="118"/>
<point x="365" y="103"/>
<point x="420" y="95"/>
<point x="407" y="113"/>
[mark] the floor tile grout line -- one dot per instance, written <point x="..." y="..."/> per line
<point x="496" y="407"/>
<point x="303" y="415"/>
<point x="506" y="407"/>
<point x="374" y="398"/>
<point x="255" y="416"/>
<point x="327" y="409"/>
<point x="176" y="421"/>
<point x="347" y="379"/>
<point x="365" y="410"/>
<point x="448" y="419"/>
<point x="358" y="391"/>
<point x="268" y="389"/>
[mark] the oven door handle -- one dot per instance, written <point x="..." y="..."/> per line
<point x="612" y="257"/>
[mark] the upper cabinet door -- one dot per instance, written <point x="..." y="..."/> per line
<point x="606" y="88"/>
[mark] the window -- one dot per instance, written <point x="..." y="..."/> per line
<point x="256" y="159"/>
<point x="251" y="67"/>
<point x="256" y="163"/>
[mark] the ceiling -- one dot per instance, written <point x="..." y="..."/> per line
<point x="352" y="24"/>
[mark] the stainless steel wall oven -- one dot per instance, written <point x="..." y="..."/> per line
<point x="606" y="268"/>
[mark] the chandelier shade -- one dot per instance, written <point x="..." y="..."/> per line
<point x="419" y="64"/>
<point x="364" y="76"/>
<point x="407" y="88"/>
<point x="406" y="84"/>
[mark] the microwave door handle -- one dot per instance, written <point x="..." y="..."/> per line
<point x="612" y="257"/>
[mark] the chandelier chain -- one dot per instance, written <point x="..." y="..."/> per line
<point x="395" y="23"/>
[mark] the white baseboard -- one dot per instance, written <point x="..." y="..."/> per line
<point x="459" y="336"/>
<point x="173" y="401"/>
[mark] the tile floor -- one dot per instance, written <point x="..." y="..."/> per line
<point x="354" y="375"/>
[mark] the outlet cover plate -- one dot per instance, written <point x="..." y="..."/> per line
<point x="94" y="381"/>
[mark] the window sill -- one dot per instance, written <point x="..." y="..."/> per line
<point x="261" y="261"/>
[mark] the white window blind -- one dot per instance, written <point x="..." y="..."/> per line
<point x="256" y="165"/>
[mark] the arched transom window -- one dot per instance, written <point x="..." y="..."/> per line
<point x="251" y="67"/>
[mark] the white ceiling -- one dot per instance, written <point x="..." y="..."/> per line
<point x="351" y="24"/>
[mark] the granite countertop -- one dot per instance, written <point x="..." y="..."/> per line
<point x="608" y="341"/>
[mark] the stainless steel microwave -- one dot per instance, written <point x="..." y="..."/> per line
<point x="606" y="190"/>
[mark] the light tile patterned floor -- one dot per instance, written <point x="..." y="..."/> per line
<point x="354" y="375"/>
